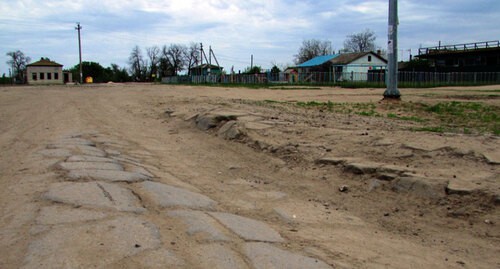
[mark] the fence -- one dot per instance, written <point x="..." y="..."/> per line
<point x="369" y="79"/>
<point x="460" y="47"/>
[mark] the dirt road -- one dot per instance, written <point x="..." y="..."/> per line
<point x="157" y="176"/>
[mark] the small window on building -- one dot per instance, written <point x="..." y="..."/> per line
<point x="49" y="76"/>
<point x="369" y="58"/>
<point x="33" y="76"/>
<point x="56" y="76"/>
<point x="42" y="76"/>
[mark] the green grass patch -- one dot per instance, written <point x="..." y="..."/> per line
<point x="454" y="116"/>
<point x="292" y="88"/>
<point x="484" y="91"/>
<point x="313" y="104"/>
<point x="466" y="117"/>
<point x="406" y="118"/>
<point x="463" y="112"/>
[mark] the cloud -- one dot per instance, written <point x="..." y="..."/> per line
<point x="271" y="30"/>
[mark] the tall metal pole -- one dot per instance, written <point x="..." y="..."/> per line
<point x="392" y="91"/>
<point x="78" y="27"/>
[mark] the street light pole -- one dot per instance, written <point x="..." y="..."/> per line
<point x="392" y="91"/>
<point x="78" y="27"/>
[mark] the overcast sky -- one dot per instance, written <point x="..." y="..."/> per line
<point x="271" y="30"/>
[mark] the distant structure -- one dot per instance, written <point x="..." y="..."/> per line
<point x="46" y="72"/>
<point x="205" y="69"/>
<point x="470" y="57"/>
<point x="342" y="65"/>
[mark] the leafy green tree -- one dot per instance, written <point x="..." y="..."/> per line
<point x="419" y="65"/>
<point x="5" y="79"/>
<point x="100" y="74"/>
<point x="253" y="70"/>
<point x="275" y="69"/>
<point x="118" y="74"/>
<point x="91" y="69"/>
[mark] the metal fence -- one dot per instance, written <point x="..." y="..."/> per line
<point x="377" y="78"/>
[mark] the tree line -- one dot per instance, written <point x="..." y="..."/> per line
<point x="163" y="61"/>
<point x="170" y="60"/>
<point x="101" y="74"/>
<point x="18" y="62"/>
<point x="358" y="42"/>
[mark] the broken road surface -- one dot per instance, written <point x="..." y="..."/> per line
<point x="101" y="177"/>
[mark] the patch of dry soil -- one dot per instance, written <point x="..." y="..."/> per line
<point x="154" y="176"/>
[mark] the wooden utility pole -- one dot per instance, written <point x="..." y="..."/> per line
<point x="209" y="56"/>
<point x="201" y="53"/>
<point x="215" y="58"/>
<point x="78" y="27"/>
<point x="392" y="91"/>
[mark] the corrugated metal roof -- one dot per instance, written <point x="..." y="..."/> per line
<point x="319" y="60"/>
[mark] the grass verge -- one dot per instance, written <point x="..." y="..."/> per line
<point x="454" y="116"/>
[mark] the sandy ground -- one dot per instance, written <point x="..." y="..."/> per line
<point x="351" y="191"/>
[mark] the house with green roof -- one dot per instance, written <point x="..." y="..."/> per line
<point x="46" y="72"/>
<point x="205" y="69"/>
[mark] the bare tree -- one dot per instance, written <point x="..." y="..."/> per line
<point x="138" y="67"/>
<point x="154" y="60"/>
<point x="360" y="42"/>
<point x="175" y="54"/>
<point x="18" y="61"/>
<point x="192" y="56"/>
<point x="312" y="48"/>
<point x="165" y="66"/>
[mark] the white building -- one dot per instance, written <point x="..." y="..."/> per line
<point x="45" y="72"/>
<point x="348" y="66"/>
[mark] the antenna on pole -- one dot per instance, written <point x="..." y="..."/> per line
<point x="78" y="27"/>
<point x="392" y="91"/>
